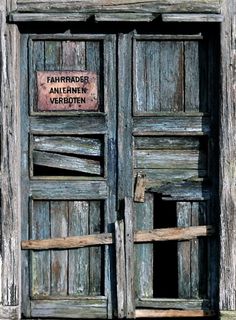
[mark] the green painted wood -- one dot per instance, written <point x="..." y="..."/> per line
<point x="85" y="308"/>
<point x="163" y="159"/>
<point x="55" y="160"/>
<point x="171" y="76"/>
<point x="40" y="261"/>
<point x="69" y="190"/>
<point x="192" y="77"/>
<point x="59" y="258"/>
<point x="178" y="125"/>
<point x="72" y="145"/>
<point x="184" y="252"/>
<point x="53" y="55"/>
<point x="68" y="125"/>
<point x="96" y="253"/>
<point x="144" y="252"/>
<point x="78" y="258"/>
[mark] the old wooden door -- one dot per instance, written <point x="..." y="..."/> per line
<point x="132" y="180"/>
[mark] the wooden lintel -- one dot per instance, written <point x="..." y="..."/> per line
<point x="165" y="234"/>
<point x="145" y="313"/>
<point x="48" y="17"/>
<point x="192" y="17"/>
<point x="125" y="17"/>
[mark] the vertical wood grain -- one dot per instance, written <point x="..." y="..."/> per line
<point x="191" y="53"/>
<point x="10" y="156"/>
<point x="79" y="258"/>
<point x="59" y="228"/>
<point x="227" y="186"/>
<point x="40" y="261"/>
<point x="95" y="253"/>
<point x="53" y="55"/>
<point x="171" y="76"/>
<point x="144" y="252"/>
<point x="184" y="252"/>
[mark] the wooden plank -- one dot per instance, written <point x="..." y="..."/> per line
<point x="227" y="175"/>
<point x="191" y="17"/>
<point x="69" y="190"/>
<point x="129" y="260"/>
<point x="120" y="268"/>
<point x="78" y="259"/>
<point x="125" y="17"/>
<point x="173" y="37"/>
<point x="95" y="253"/>
<point x="59" y="266"/>
<point x="68" y="125"/>
<point x="185" y="191"/>
<point x="40" y="261"/>
<point x="211" y="6"/>
<point x="53" y="55"/>
<point x="169" y="234"/>
<point x="171" y="76"/>
<point x="192" y="76"/>
<point x="48" y="17"/>
<point x="166" y="234"/>
<point x="166" y="159"/>
<point x="184" y="251"/>
<point x="162" y="143"/>
<point x="165" y="303"/>
<point x="72" y="145"/>
<point x="143" y="313"/>
<point x="143" y="253"/>
<point x="155" y="177"/>
<point x="83" y="308"/>
<point x="59" y="161"/>
<point x="68" y="242"/>
<point x="140" y="186"/>
<point x="10" y="155"/>
<point x="194" y="126"/>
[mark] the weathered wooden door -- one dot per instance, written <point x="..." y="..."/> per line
<point x="132" y="180"/>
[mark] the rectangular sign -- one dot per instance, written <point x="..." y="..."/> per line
<point x="67" y="90"/>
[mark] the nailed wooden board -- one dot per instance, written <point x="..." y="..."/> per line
<point x="165" y="303"/>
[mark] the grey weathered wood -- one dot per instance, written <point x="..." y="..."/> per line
<point x="120" y="269"/>
<point x="192" y="77"/>
<point x="227" y="174"/>
<point x="9" y="313"/>
<point x="125" y="17"/>
<point x="184" y="252"/>
<point x="164" y="159"/>
<point x="143" y="253"/>
<point x="95" y="254"/>
<point x="55" y="160"/>
<point x="182" y="191"/>
<point x="177" y="37"/>
<point x="156" y="177"/>
<point x="164" y="303"/>
<point x="162" y="143"/>
<point x="68" y="125"/>
<point x="73" y="145"/>
<point x="40" y="261"/>
<point x="129" y="260"/>
<point x="171" y="126"/>
<point x="10" y="156"/>
<point x="211" y="6"/>
<point x="140" y="185"/>
<point x="171" y="76"/>
<point x="95" y="308"/>
<point x="79" y="259"/>
<point x="69" y="190"/>
<point x="48" y="17"/>
<point x="192" y="17"/>
<point x="59" y="267"/>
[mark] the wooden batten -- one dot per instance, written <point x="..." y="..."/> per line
<point x="144" y="313"/>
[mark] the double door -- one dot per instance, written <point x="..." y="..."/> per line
<point x="119" y="202"/>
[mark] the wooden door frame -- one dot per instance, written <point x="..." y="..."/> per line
<point x="10" y="136"/>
